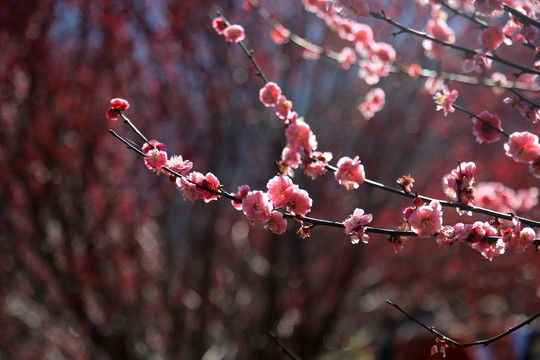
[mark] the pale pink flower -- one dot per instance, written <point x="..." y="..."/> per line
<point x="219" y="25"/>
<point x="153" y="144"/>
<point x="363" y="36"/>
<point x="299" y="202"/>
<point x="178" y="164"/>
<point x="523" y="239"/>
<point x="241" y="194"/>
<point x="155" y="159"/>
<point x="280" y="35"/>
<point x="492" y="38"/>
<point x="290" y="159"/>
<point x="276" y="223"/>
<point x="485" y="132"/>
<point x="300" y="137"/>
<point x="117" y="105"/>
<point x="490" y="250"/>
<point x="414" y="70"/>
<point x="439" y="29"/>
<point x="346" y="57"/>
<point x="398" y="243"/>
<point x="350" y="172"/>
<point x="352" y="8"/>
<point x="283" y="107"/>
<point x="270" y="94"/>
<point x="257" y="206"/>
<point x="315" y="164"/>
<point x="426" y="220"/>
<point x="234" y="33"/>
<point x="492" y="8"/>
<point x="522" y="147"/>
<point x="446" y="236"/>
<point x="280" y="190"/>
<point x="374" y="103"/>
<point x="476" y="62"/>
<point x="354" y="225"/>
<point x="460" y="181"/>
<point x="192" y="192"/>
<point x="445" y="99"/>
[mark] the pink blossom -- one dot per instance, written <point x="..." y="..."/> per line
<point x="476" y="62"/>
<point x="350" y="172"/>
<point x="300" y="137"/>
<point x="374" y="103"/>
<point x="437" y="28"/>
<point x="299" y="202"/>
<point x="354" y="225"/>
<point x="192" y="192"/>
<point x="270" y="94"/>
<point x="492" y="38"/>
<point x="426" y="220"/>
<point x="219" y="25"/>
<point x="117" y="105"/>
<point x="290" y="159"/>
<point x="363" y="36"/>
<point x="485" y="132"/>
<point x="439" y="347"/>
<point x="280" y="35"/>
<point x="276" y="223"/>
<point x="523" y="147"/>
<point x="352" y="8"/>
<point x="283" y="107"/>
<point x="177" y="164"/>
<point x="155" y="159"/>
<point x="257" y="206"/>
<point x="398" y="243"/>
<point x="414" y="70"/>
<point x="315" y="164"/>
<point x="241" y="194"/>
<point x="346" y="57"/>
<point x="534" y="168"/>
<point x="153" y="144"/>
<point x="492" y="8"/>
<point x="234" y="33"/>
<point x="490" y="250"/>
<point x="280" y="190"/>
<point x="460" y="181"/>
<point x="445" y="99"/>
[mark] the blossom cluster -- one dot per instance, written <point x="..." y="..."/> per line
<point x="232" y="33"/>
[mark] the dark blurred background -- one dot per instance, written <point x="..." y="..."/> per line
<point x="101" y="259"/>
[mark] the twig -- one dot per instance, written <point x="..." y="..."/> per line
<point x="282" y="346"/>
<point x="455" y="343"/>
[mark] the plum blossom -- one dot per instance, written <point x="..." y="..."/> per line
<point x="194" y="184"/>
<point x="241" y="194"/>
<point x="492" y="38"/>
<point x="398" y="243"/>
<point x="414" y="70"/>
<point x="300" y="136"/>
<point x="534" y="168"/>
<point x="117" y="105"/>
<point x="290" y="159"/>
<point x="406" y="182"/>
<point x="522" y="147"/>
<point x="354" y="225"/>
<point x="234" y="33"/>
<point x="438" y="29"/>
<point x="280" y="35"/>
<point x="299" y="202"/>
<point x="155" y="159"/>
<point x="426" y="220"/>
<point x="374" y="103"/>
<point x="280" y="190"/>
<point x="276" y="223"/>
<point x="315" y="164"/>
<point x="517" y="237"/>
<point x="493" y="8"/>
<point x="283" y="107"/>
<point x="457" y="184"/>
<point x="490" y="250"/>
<point x="346" y="57"/>
<point x="270" y="94"/>
<point x="257" y="206"/>
<point x="476" y="61"/>
<point x="219" y="25"/>
<point x="350" y="173"/>
<point x="439" y="347"/>
<point x="153" y="144"/>
<point x="445" y="99"/>
<point x="483" y="131"/>
<point x="177" y="164"/>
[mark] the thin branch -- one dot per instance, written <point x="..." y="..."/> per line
<point x="455" y="343"/>
<point x="282" y="346"/>
<point x="486" y="123"/>
<point x="522" y="17"/>
<point x="382" y="16"/>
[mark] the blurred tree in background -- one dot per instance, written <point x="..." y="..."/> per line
<point x="100" y="259"/>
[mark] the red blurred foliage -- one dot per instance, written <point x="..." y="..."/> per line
<point x="100" y="259"/>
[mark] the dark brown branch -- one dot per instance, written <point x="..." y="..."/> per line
<point x="282" y="346"/>
<point x="522" y="17"/>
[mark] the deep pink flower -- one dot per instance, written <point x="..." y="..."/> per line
<point x="283" y="107"/>
<point x="290" y="159"/>
<point x="192" y="192"/>
<point x="350" y="172"/>
<point x="374" y="103"/>
<point x="234" y="33"/>
<point x="492" y="38"/>
<point x="219" y="25"/>
<point x="490" y="250"/>
<point x="280" y="190"/>
<point x="354" y="225"/>
<point x="280" y="35"/>
<point x="484" y="132"/>
<point x="242" y="192"/>
<point x="300" y="137"/>
<point x="315" y="165"/>
<point x="270" y="94"/>
<point x="153" y="144"/>
<point x="276" y="223"/>
<point x="460" y="181"/>
<point x="299" y="202"/>
<point x="414" y="70"/>
<point x="426" y="220"/>
<point x="522" y="147"/>
<point x="155" y="159"/>
<point x="178" y="164"/>
<point x="117" y="105"/>
<point x="257" y="206"/>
